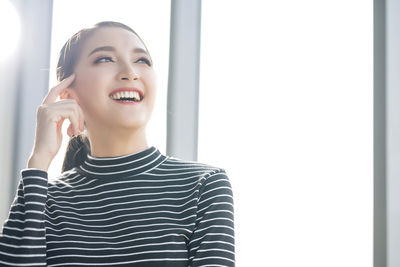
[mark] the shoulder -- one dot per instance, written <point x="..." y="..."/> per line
<point x="206" y="173"/>
<point x="64" y="179"/>
<point x="172" y="163"/>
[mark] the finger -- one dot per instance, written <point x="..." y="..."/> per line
<point x="75" y="119"/>
<point x="55" y="91"/>
<point x="74" y="124"/>
<point x="66" y="109"/>
<point x="78" y="109"/>
<point x="72" y="103"/>
<point x="79" y="115"/>
<point x="60" y="123"/>
<point x="81" y="119"/>
<point x="70" y="131"/>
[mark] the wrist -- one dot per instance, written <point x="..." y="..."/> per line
<point x="39" y="162"/>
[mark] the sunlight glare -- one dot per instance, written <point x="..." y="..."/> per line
<point x="10" y="28"/>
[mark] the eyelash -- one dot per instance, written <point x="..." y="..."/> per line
<point x="97" y="61"/>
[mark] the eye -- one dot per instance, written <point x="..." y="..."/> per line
<point x="103" y="59"/>
<point x="145" y="60"/>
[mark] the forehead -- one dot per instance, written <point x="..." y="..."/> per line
<point x="112" y="36"/>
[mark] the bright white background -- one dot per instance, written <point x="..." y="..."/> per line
<point x="286" y="108"/>
<point x="150" y="19"/>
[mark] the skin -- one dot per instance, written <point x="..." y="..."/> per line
<point x="113" y="129"/>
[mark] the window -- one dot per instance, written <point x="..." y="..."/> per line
<point x="286" y="99"/>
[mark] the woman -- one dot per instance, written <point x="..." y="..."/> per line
<point x="119" y="201"/>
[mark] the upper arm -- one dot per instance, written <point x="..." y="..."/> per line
<point x="212" y="241"/>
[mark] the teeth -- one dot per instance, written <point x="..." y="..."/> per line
<point x="136" y="96"/>
<point x="131" y="94"/>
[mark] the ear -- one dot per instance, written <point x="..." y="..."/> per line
<point x="67" y="94"/>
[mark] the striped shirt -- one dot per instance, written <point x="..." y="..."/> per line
<point x="141" y="209"/>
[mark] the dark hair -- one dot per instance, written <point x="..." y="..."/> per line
<point x="79" y="146"/>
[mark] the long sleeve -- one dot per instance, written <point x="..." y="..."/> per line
<point x="23" y="240"/>
<point x="212" y="241"/>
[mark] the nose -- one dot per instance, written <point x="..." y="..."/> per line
<point x="128" y="74"/>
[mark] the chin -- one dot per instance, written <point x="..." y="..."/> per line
<point x="134" y="125"/>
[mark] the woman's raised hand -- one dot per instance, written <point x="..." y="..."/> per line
<point x="49" y="119"/>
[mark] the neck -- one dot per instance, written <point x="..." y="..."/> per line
<point x="114" y="143"/>
<point x="123" y="166"/>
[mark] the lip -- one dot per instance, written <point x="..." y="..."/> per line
<point x="127" y="89"/>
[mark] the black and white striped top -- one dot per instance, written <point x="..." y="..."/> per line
<point x="142" y="209"/>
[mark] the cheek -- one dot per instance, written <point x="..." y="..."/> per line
<point x="151" y="81"/>
<point x="152" y="90"/>
<point x="89" y="83"/>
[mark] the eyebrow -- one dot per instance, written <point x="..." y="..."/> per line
<point x="110" y="48"/>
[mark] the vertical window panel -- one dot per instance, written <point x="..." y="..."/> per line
<point x="150" y="19"/>
<point x="286" y="108"/>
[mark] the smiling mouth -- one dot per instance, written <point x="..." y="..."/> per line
<point x="127" y="97"/>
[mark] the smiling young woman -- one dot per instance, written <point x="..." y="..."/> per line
<point x="118" y="200"/>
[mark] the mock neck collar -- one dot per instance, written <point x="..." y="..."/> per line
<point x="121" y="166"/>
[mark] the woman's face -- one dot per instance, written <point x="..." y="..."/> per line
<point x="113" y="58"/>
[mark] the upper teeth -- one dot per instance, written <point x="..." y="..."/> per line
<point x="131" y="94"/>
